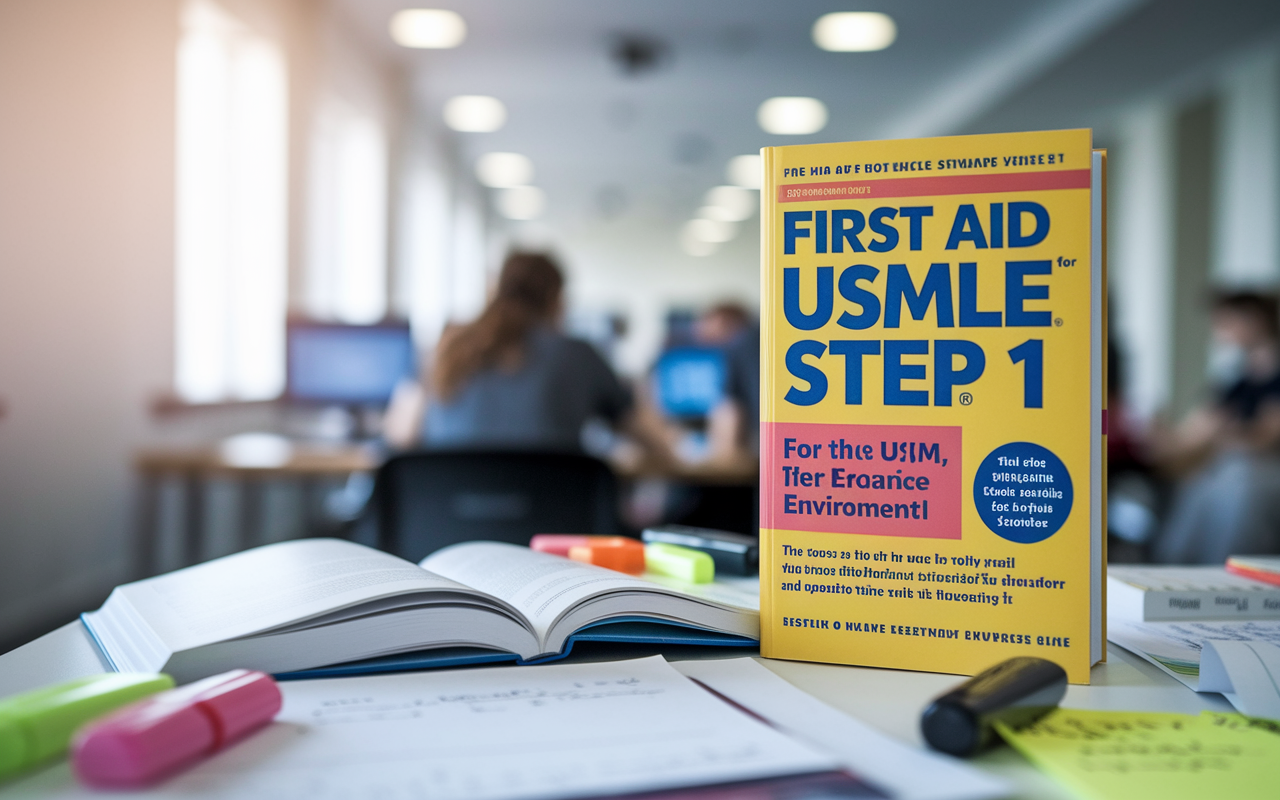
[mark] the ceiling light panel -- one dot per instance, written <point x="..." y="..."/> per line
<point x="428" y="28"/>
<point x="792" y="116"/>
<point x="734" y="202"/>
<point x="745" y="171"/>
<point x="504" y="170"/>
<point x="854" y="31"/>
<point x="522" y="202"/>
<point x="475" y="113"/>
<point x="695" y="246"/>
<point x="713" y="231"/>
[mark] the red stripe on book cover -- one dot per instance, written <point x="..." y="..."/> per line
<point x="935" y="185"/>
<point x="1253" y="574"/>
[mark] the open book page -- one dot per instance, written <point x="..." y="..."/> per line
<point x="546" y="587"/>
<point x="733" y="591"/>
<point x="542" y="586"/>
<point x="270" y="587"/>
<point x="504" y="733"/>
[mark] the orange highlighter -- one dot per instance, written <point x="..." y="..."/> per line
<point x="611" y="552"/>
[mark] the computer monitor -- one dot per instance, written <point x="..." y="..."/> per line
<point x="690" y="381"/>
<point x="352" y="365"/>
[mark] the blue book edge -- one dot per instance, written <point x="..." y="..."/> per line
<point x="631" y="630"/>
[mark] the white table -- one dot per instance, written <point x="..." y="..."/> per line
<point x="890" y="700"/>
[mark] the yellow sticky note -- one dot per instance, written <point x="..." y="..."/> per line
<point x="1126" y="755"/>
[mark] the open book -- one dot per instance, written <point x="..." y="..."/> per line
<point x="315" y="603"/>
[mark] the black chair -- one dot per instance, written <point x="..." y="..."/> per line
<point x="427" y="500"/>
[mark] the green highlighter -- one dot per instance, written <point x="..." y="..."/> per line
<point x="684" y="563"/>
<point x="39" y="724"/>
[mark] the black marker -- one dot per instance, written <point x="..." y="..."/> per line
<point x="1016" y="692"/>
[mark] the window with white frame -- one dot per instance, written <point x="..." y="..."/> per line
<point x="347" y="255"/>
<point x="231" y="237"/>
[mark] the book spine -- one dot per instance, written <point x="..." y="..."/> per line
<point x="768" y="209"/>
<point x="1105" y="311"/>
<point x="1167" y="606"/>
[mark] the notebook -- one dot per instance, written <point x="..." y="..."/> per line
<point x="326" y="607"/>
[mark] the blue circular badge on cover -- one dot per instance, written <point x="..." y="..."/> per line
<point x="1023" y="492"/>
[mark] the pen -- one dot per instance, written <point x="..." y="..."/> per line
<point x="38" y="725"/>
<point x="149" y="740"/>
<point x="1016" y="692"/>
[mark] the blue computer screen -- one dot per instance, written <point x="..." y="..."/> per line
<point x="690" y="381"/>
<point x="348" y="364"/>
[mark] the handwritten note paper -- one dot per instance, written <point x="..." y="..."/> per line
<point x="1125" y="755"/>
<point x="505" y="733"/>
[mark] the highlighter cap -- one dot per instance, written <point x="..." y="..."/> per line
<point x="611" y="552"/>
<point x="1016" y="692"/>
<point x="558" y="544"/>
<point x="682" y="563"/>
<point x="151" y="739"/>
<point x="733" y="553"/>
<point x="38" y="725"/>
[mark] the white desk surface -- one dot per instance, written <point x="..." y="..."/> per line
<point x="890" y="700"/>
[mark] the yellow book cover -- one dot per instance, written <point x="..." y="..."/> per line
<point x="932" y="475"/>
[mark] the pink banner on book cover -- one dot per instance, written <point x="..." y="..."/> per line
<point x="880" y="480"/>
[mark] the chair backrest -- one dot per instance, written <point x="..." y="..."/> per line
<point x="431" y="499"/>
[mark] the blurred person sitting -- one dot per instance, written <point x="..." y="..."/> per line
<point x="721" y="325"/>
<point x="733" y="427"/>
<point x="1229" y="503"/>
<point x="1136" y="492"/>
<point x="731" y="424"/>
<point x="512" y="379"/>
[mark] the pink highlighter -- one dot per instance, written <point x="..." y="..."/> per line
<point x="156" y="737"/>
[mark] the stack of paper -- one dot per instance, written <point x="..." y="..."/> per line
<point x="1239" y="659"/>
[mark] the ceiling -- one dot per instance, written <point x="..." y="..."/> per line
<point x="607" y="144"/>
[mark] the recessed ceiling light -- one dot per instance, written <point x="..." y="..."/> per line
<point x="854" y="31"/>
<point x="694" y="246"/>
<point x="522" y="202"/>
<point x="795" y="116"/>
<point x="475" y="113"/>
<point x="428" y="28"/>
<point x="714" y="231"/>
<point x="734" y="202"/>
<point x="716" y="213"/>
<point x="744" y="171"/>
<point x="504" y="170"/>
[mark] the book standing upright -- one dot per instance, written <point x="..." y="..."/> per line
<point x="933" y="402"/>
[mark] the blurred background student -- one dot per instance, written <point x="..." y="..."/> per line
<point x="733" y="424"/>
<point x="1227" y="452"/>
<point x="512" y="378"/>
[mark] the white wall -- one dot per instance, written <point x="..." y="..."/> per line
<point x="86" y="286"/>
<point x="87" y="144"/>
<point x="1141" y="253"/>
<point x="1247" y="198"/>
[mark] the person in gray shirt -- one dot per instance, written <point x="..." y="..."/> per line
<point x="512" y="379"/>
